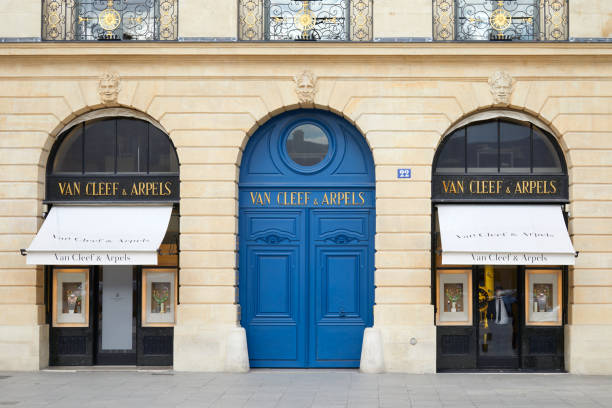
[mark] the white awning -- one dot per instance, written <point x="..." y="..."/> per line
<point x="504" y="235"/>
<point x="100" y="235"/>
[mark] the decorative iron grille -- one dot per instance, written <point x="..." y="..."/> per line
<point x="500" y="20"/>
<point x="90" y="20"/>
<point x="305" y="20"/>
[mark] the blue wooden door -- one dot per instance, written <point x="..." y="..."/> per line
<point x="340" y="309"/>
<point x="306" y="250"/>
<point x="273" y="264"/>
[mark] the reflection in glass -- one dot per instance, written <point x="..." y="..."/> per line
<point x="307" y="145"/>
<point x="131" y="146"/>
<point x="498" y="312"/>
<point x="452" y="157"/>
<point x="162" y="157"/>
<point x="515" y="148"/>
<point x="100" y="147"/>
<point x="545" y="157"/>
<point x="69" y="156"/>
<point x="482" y="148"/>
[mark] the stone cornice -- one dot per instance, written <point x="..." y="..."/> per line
<point x="305" y="50"/>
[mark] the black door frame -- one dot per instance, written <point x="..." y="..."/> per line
<point x="541" y="348"/>
<point x="153" y="345"/>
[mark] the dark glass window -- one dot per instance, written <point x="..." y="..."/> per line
<point x="162" y="157"/>
<point x="69" y="156"/>
<point x="100" y="147"/>
<point x="515" y="148"/>
<point x="482" y="148"/>
<point x="452" y="156"/>
<point x="115" y="146"/>
<point x="132" y="145"/>
<point x="499" y="146"/>
<point x="307" y="145"/>
<point x="545" y="157"/>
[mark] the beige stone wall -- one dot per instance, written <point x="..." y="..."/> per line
<point x="590" y="19"/>
<point x="20" y="18"/>
<point x="209" y="98"/>
<point x="398" y="18"/>
<point x="197" y="19"/>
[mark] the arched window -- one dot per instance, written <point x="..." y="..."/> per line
<point x="114" y="146"/>
<point x="499" y="146"/>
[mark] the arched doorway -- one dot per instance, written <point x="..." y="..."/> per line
<point x="307" y="220"/>
<point x="109" y="242"/>
<point x="500" y="246"/>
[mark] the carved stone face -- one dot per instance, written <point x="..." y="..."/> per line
<point x="501" y="87"/>
<point x="109" y="88"/>
<point x="305" y="87"/>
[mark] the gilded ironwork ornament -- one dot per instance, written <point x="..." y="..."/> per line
<point x="305" y="87"/>
<point x="500" y="20"/>
<point x="109" y="19"/>
<point x="305" y="20"/>
<point x="109" y="88"/>
<point x="95" y="20"/>
<point x="501" y="86"/>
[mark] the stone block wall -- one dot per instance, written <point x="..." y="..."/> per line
<point x="210" y="98"/>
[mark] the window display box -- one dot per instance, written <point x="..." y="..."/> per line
<point x="454" y="297"/>
<point x="70" y="297"/>
<point x="159" y="297"/>
<point x="543" y="297"/>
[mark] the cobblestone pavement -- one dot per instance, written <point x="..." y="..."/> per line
<point x="296" y="389"/>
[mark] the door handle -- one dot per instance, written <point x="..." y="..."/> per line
<point x="341" y="313"/>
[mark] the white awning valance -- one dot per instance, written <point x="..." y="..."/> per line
<point x="504" y="235"/>
<point x="100" y="235"/>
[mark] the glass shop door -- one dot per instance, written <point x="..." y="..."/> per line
<point x="116" y="315"/>
<point x="498" y="316"/>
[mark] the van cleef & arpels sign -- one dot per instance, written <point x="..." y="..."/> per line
<point x="152" y="188"/>
<point x="503" y="188"/>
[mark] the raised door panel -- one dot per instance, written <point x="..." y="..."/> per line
<point x="272" y="282"/>
<point x="341" y="282"/>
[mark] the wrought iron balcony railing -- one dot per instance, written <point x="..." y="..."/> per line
<point x="302" y="20"/>
<point x="94" y="20"/>
<point x="500" y="20"/>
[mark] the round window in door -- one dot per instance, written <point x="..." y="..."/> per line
<point x="306" y="265"/>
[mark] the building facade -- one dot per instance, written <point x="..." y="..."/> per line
<point x="278" y="184"/>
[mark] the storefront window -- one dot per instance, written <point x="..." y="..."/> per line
<point x="500" y="239"/>
<point x="71" y="297"/>
<point x="115" y="146"/>
<point x="454" y="294"/>
<point x="159" y="297"/>
<point x="543" y="299"/>
<point x="499" y="146"/>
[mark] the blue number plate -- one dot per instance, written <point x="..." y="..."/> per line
<point x="404" y="173"/>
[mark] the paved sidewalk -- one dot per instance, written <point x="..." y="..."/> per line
<point x="295" y="389"/>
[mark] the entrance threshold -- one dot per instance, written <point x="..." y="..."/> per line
<point x="110" y="368"/>
<point x="502" y="371"/>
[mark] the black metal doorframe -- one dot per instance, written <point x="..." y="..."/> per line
<point x="78" y="346"/>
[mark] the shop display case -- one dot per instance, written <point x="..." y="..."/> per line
<point x="543" y="297"/>
<point x="454" y="294"/>
<point x="70" y="297"/>
<point x="159" y="297"/>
